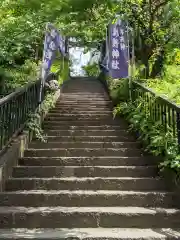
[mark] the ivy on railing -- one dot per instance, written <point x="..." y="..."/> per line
<point x="15" y="109"/>
<point x="158" y="108"/>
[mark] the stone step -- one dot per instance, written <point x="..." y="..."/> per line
<point x="84" y="171"/>
<point x="81" y="88"/>
<point x="85" y="94"/>
<point x="81" y="152"/>
<point x="84" y="102"/>
<point x="77" y="118"/>
<point x="87" y="105"/>
<point x="55" y="112"/>
<point x="88" y="161"/>
<point x="82" y="114"/>
<point x="78" y="108"/>
<point x="85" y="198"/>
<point x="91" y="234"/>
<point x="81" y="108"/>
<point x="51" y="138"/>
<point x="79" y="111"/>
<point x="52" y="145"/>
<point x="85" y="217"/>
<point x="84" y="122"/>
<point x="83" y="98"/>
<point x="88" y="127"/>
<point x="122" y="184"/>
<point x="108" y="132"/>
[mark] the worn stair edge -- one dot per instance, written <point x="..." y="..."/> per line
<point x="88" y="114"/>
<point x="84" y="171"/>
<point x="79" y="144"/>
<point x="77" y="152"/>
<point x="54" y="112"/>
<point x="87" y="183"/>
<point x="86" y="122"/>
<point x="75" y="217"/>
<point x="90" y="127"/>
<point x="58" y="123"/>
<point x="91" y="234"/>
<point x="53" y="136"/>
<point x="84" y="198"/>
<point x="81" y="109"/>
<point x="88" y="161"/>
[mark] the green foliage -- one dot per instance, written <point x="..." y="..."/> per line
<point x="61" y="67"/>
<point x="169" y="84"/>
<point x="153" y="135"/>
<point x="173" y="57"/>
<point x="119" y="89"/>
<point x="35" y="119"/>
<point x="18" y="76"/>
<point x="92" y="69"/>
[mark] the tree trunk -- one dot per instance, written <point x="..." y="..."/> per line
<point x="2" y="85"/>
<point x="158" y="64"/>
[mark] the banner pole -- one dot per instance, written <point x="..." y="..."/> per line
<point x="133" y="54"/>
<point x="129" y="62"/>
<point x="42" y="77"/>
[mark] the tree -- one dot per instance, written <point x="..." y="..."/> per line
<point x="153" y="23"/>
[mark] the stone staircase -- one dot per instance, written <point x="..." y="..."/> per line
<point x="89" y="181"/>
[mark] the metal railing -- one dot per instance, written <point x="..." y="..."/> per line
<point x="15" y="109"/>
<point x="158" y="108"/>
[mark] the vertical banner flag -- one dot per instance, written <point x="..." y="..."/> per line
<point x="105" y="61"/>
<point x="118" y="50"/>
<point x="53" y="42"/>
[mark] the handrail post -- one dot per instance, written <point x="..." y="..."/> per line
<point x="178" y="128"/>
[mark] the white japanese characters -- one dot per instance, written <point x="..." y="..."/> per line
<point x="115" y="53"/>
<point x="118" y="44"/>
<point x="115" y="43"/>
<point x="49" y="54"/>
<point x="115" y="64"/>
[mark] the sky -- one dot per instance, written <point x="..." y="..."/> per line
<point x="80" y="59"/>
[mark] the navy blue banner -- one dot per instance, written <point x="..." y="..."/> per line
<point x="118" y="50"/>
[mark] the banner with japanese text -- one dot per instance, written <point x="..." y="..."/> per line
<point x="52" y="43"/>
<point x="118" y="50"/>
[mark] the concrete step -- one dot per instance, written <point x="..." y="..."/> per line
<point x="84" y="102"/>
<point x="82" y="152"/>
<point x="78" y="117"/>
<point x="83" y="98"/>
<point x="85" y="122"/>
<point x="91" y="234"/>
<point x="84" y="217"/>
<point x="80" y="104"/>
<point x="87" y="132"/>
<point x="81" y="108"/>
<point x="73" y="144"/>
<point x="79" y="111"/>
<point x="81" y="114"/>
<point x="99" y="183"/>
<point x="84" y="171"/>
<point x="51" y="138"/>
<point x="57" y="112"/>
<point x="43" y="198"/>
<point x="122" y="126"/>
<point x="88" y="161"/>
<point x="85" y="94"/>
